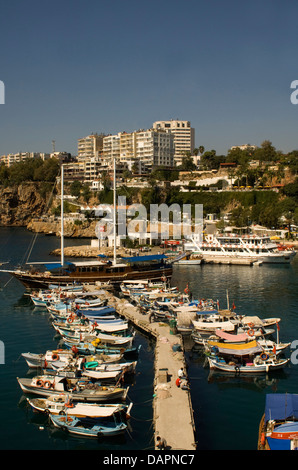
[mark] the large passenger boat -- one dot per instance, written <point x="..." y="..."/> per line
<point x="139" y="267"/>
<point x="253" y="248"/>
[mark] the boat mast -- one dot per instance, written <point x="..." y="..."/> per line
<point x="62" y="218"/>
<point x="228" y="303"/>
<point x="114" y="216"/>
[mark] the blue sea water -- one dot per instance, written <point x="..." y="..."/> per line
<point x="227" y="410"/>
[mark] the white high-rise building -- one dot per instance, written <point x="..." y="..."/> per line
<point x="150" y="147"/>
<point x="184" y="136"/>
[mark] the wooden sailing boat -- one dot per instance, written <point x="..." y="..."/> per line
<point x="65" y="272"/>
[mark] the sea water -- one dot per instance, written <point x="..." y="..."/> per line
<point x="227" y="409"/>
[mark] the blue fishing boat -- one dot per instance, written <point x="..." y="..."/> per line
<point x="88" y="348"/>
<point x="91" y="427"/>
<point x="278" y="428"/>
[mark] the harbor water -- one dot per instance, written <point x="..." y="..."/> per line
<point x="227" y="409"/>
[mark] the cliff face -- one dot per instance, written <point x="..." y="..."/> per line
<point x="71" y="230"/>
<point x="19" y="204"/>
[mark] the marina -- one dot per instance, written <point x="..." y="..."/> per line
<point x="163" y="394"/>
<point x="149" y="230"/>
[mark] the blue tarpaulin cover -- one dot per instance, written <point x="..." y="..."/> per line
<point x="281" y="406"/>
<point x="135" y="259"/>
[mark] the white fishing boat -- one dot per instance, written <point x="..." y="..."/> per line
<point x="258" y="365"/>
<point x="60" y="404"/>
<point x="34" y="360"/>
<point x="63" y="357"/>
<point x="79" y="389"/>
<point x="247" y="358"/>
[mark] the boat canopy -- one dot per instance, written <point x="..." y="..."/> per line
<point x="252" y="319"/>
<point x="280" y="406"/>
<point x="231" y="338"/>
<point x="51" y="266"/>
<point x="237" y="349"/>
<point x="225" y="325"/>
<point x="141" y="259"/>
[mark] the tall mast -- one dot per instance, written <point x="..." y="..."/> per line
<point x="114" y="217"/>
<point x="62" y="217"/>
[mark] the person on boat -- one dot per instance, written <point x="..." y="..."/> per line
<point x="161" y="443"/>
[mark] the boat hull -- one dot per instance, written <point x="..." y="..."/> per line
<point x="247" y="369"/>
<point x="92" y="396"/>
<point x="72" y="425"/>
<point x="42" y="280"/>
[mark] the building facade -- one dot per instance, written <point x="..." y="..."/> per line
<point x="12" y="158"/>
<point x="90" y="146"/>
<point x="151" y="147"/>
<point x="184" y="136"/>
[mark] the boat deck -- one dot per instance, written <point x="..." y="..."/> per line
<point x="173" y="414"/>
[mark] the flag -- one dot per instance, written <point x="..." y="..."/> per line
<point x="234" y="306"/>
<point x="274" y="349"/>
<point x="277" y="326"/>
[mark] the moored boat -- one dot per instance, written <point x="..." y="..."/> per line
<point x="278" y="429"/>
<point x="90" y="427"/>
<point x="60" y="404"/>
<point x="235" y="362"/>
<point x="79" y="389"/>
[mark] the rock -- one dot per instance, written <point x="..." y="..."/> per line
<point x="19" y="204"/>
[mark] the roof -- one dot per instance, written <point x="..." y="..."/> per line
<point x="51" y="266"/>
<point x="280" y="406"/>
<point x="241" y="349"/>
<point x="140" y="259"/>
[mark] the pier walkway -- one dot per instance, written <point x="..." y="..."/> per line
<point x="173" y="414"/>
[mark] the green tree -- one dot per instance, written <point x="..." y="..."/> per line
<point x="75" y="188"/>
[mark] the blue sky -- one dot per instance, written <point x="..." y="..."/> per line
<point x="71" y="68"/>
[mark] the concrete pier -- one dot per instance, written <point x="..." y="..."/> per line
<point x="173" y="414"/>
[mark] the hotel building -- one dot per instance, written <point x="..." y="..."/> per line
<point x="184" y="136"/>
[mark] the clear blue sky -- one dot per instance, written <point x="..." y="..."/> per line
<point x="71" y="68"/>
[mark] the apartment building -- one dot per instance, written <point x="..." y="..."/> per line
<point x="184" y="136"/>
<point x="12" y="158"/>
<point x="90" y="146"/>
<point x="151" y="147"/>
<point x="244" y="147"/>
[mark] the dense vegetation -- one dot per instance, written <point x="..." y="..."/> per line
<point x="268" y="207"/>
<point x="30" y="169"/>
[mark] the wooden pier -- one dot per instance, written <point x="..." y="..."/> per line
<point x="172" y="407"/>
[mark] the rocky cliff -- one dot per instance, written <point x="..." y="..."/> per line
<point x="19" y="204"/>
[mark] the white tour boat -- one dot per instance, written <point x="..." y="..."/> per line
<point x="244" y="248"/>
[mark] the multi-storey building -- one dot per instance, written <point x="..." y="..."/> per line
<point x="111" y="147"/>
<point x="90" y="146"/>
<point x="184" y="136"/>
<point x="151" y="147"/>
<point x="12" y="158"/>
